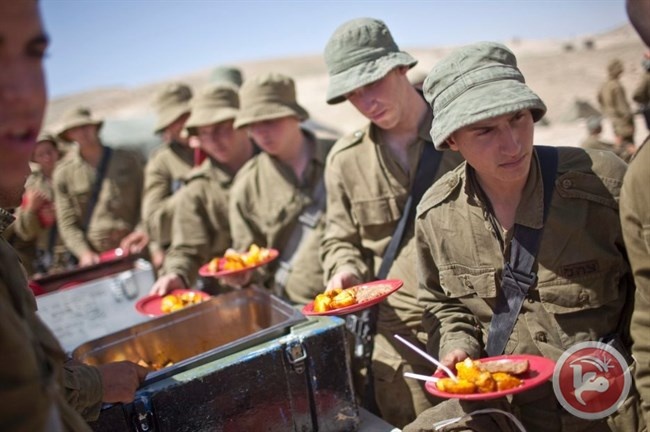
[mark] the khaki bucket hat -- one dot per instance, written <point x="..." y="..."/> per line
<point x="476" y="83"/>
<point x="216" y="103"/>
<point x="267" y="97"/>
<point x="615" y="68"/>
<point x="227" y="74"/>
<point x="79" y="116"/>
<point x="171" y="102"/>
<point x="360" y="52"/>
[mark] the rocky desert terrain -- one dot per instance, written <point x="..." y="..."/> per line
<point x="565" y="73"/>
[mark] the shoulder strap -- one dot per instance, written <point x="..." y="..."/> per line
<point x="518" y="275"/>
<point x="426" y="172"/>
<point x="97" y="186"/>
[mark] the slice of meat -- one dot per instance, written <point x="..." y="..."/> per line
<point x="514" y="367"/>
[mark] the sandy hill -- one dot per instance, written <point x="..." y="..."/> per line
<point x="560" y="71"/>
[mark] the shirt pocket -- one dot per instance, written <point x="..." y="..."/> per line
<point x="585" y="309"/>
<point x="475" y="288"/>
<point x="80" y="192"/>
<point x="376" y="217"/>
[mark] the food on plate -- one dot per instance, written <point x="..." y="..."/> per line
<point x="177" y="301"/>
<point x="338" y="298"/>
<point x="233" y="260"/>
<point x="475" y="376"/>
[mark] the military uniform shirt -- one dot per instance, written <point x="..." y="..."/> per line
<point x="265" y="203"/>
<point x="641" y="93"/>
<point x="583" y="283"/>
<point x="635" y="221"/>
<point x="201" y="230"/>
<point x="36" y="386"/>
<point x="117" y="211"/>
<point x="164" y="175"/>
<point x="366" y="193"/>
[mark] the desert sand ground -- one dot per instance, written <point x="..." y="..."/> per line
<point x="559" y="75"/>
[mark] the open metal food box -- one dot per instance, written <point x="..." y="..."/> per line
<point x="242" y="361"/>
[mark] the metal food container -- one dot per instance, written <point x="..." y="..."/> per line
<point x="242" y="361"/>
<point x="196" y="335"/>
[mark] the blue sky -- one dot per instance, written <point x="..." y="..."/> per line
<point x="102" y="43"/>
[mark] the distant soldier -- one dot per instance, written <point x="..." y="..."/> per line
<point x="97" y="191"/>
<point x="166" y="168"/>
<point x="35" y="226"/>
<point x="615" y="106"/>
<point x="200" y="228"/>
<point x="594" y="142"/>
<point x="641" y="94"/>
<point x="370" y="175"/>
<point x="278" y="197"/>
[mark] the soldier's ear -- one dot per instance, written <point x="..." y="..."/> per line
<point x="451" y="142"/>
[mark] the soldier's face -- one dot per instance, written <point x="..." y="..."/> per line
<point x="22" y="93"/>
<point x="273" y="136"/>
<point x="82" y="135"/>
<point x="173" y="131"/>
<point x="219" y="140"/>
<point x="499" y="149"/>
<point x="380" y="101"/>
<point x="46" y="155"/>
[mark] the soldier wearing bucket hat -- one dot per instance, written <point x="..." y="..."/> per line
<point x="98" y="192"/>
<point x="575" y="277"/>
<point x="367" y="68"/>
<point x="615" y="106"/>
<point x="200" y="228"/>
<point x="167" y="167"/>
<point x="278" y="197"/>
<point x="35" y="231"/>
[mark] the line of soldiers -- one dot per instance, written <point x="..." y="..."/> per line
<point x="434" y="190"/>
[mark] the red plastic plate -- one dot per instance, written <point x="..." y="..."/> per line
<point x="205" y="272"/>
<point x="540" y="369"/>
<point x="394" y="283"/>
<point x="150" y="305"/>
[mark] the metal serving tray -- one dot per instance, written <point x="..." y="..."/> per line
<point x="224" y="325"/>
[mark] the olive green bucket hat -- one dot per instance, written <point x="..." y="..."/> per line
<point x="360" y="52"/>
<point x="267" y="97"/>
<point x="215" y="104"/>
<point x="171" y="102"/>
<point x="227" y="74"/>
<point x="79" y="116"/>
<point x="476" y="83"/>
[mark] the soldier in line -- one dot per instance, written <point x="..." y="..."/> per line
<point x="635" y="221"/>
<point x="641" y="93"/>
<point x="278" y="197"/>
<point x="593" y="141"/>
<point x="38" y="391"/>
<point x="97" y="192"/>
<point x="166" y="168"/>
<point x="200" y="227"/>
<point x="614" y="105"/>
<point x="35" y="228"/>
<point x="383" y="157"/>
<point x="469" y="243"/>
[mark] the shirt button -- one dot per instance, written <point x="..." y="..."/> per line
<point x="540" y="337"/>
<point x="583" y="297"/>
<point x="566" y="184"/>
<point x="530" y="300"/>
